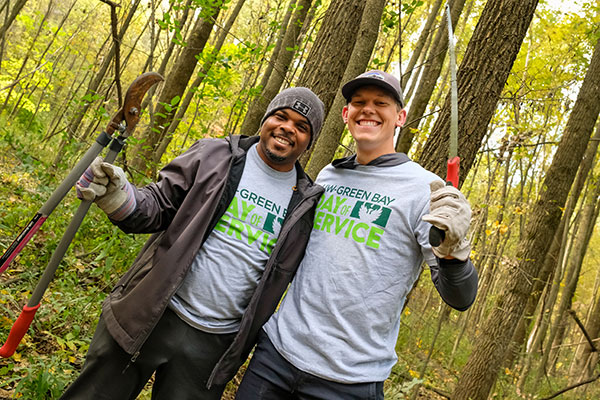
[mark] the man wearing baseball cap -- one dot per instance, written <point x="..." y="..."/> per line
<point x="230" y="220"/>
<point x="335" y="332"/>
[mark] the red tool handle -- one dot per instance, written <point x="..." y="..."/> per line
<point x="18" y="330"/>
<point x="437" y="235"/>
<point x="17" y="245"/>
<point x="452" y="171"/>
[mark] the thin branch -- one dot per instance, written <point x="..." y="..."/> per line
<point x="115" y="35"/>
<point x="585" y="333"/>
<point x="571" y="387"/>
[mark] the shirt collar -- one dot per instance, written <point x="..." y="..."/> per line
<point x="386" y="160"/>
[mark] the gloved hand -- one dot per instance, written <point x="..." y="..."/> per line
<point x="108" y="187"/>
<point x="450" y="211"/>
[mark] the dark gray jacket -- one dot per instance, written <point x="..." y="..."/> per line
<point x="181" y="209"/>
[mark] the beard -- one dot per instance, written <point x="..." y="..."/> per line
<point x="273" y="157"/>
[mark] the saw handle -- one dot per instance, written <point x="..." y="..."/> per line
<point x="437" y="235"/>
<point x="18" y="330"/>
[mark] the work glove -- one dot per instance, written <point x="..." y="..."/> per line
<point x="450" y="211"/>
<point x="108" y="187"/>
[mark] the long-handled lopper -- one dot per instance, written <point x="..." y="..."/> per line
<point x="437" y="235"/>
<point x="124" y="121"/>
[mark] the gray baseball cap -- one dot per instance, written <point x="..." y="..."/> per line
<point x="303" y="101"/>
<point x="387" y="82"/>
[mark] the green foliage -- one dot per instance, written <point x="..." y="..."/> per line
<point x="52" y="352"/>
<point x="50" y="88"/>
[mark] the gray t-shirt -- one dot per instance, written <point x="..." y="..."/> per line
<point x="230" y="263"/>
<point x="341" y="315"/>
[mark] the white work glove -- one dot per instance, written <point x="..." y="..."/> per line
<point x="108" y="187"/>
<point x="450" y="211"/>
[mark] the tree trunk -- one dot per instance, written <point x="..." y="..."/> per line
<point x="581" y="241"/>
<point x="554" y="254"/>
<point x="289" y="45"/>
<point x="174" y="86"/>
<point x="329" y="55"/>
<point x="480" y="373"/>
<point x="170" y="129"/>
<point x="331" y="51"/>
<point x="430" y="76"/>
<point x="276" y="51"/>
<point x="11" y="15"/>
<point x="425" y="33"/>
<point x="167" y="57"/>
<point x="98" y="78"/>
<point x="480" y="78"/>
<point x="17" y="77"/>
<point x="333" y="127"/>
<point x="582" y="368"/>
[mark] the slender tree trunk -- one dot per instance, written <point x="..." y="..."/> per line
<point x="257" y="109"/>
<point x="480" y="373"/>
<point x="330" y="53"/>
<point x="437" y="55"/>
<point x="276" y="52"/>
<point x="425" y="34"/>
<point x="582" y="368"/>
<point x="99" y="77"/>
<point x="480" y="78"/>
<point x="333" y="126"/>
<point x="174" y="86"/>
<point x="11" y="15"/>
<point x="167" y="57"/>
<point x="27" y="56"/>
<point x="581" y="242"/>
<point x="169" y="131"/>
<point x="553" y="257"/>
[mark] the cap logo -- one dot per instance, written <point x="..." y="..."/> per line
<point x="301" y="107"/>
<point x="375" y="75"/>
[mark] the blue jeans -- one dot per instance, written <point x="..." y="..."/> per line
<point x="271" y="377"/>
<point x="180" y="356"/>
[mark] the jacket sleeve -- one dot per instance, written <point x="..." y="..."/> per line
<point x="456" y="281"/>
<point x="157" y="203"/>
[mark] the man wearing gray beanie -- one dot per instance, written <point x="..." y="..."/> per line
<point x="230" y="220"/>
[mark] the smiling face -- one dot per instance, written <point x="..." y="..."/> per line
<point x="372" y="116"/>
<point x="284" y="136"/>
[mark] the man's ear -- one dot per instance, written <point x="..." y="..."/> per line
<point x="401" y="118"/>
<point x="345" y="114"/>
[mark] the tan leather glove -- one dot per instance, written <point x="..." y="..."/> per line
<point x="450" y="211"/>
<point x="108" y="187"/>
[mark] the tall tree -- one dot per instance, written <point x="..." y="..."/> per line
<point x="586" y="356"/>
<point x="481" y="77"/>
<point x="426" y="32"/>
<point x="11" y="14"/>
<point x="429" y="77"/>
<point x="480" y="373"/>
<point x="95" y="82"/>
<point x="169" y="130"/>
<point x="175" y="84"/>
<point x="553" y="256"/>
<point x="289" y="47"/>
<point x="331" y="51"/>
<point x="333" y="127"/>
<point x="169" y="53"/>
<point x="329" y="55"/>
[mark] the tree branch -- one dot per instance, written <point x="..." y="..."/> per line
<point x="572" y="387"/>
<point x="585" y="333"/>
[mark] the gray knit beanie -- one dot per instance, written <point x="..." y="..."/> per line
<point x="303" y="101"/>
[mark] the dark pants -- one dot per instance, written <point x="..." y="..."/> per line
<point x="271" y="377"/>
<point x="183" y="358"/>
